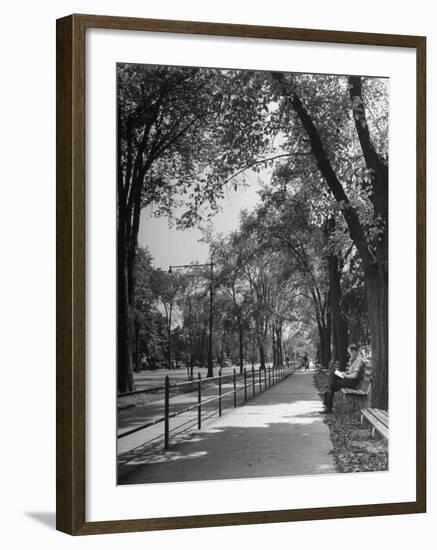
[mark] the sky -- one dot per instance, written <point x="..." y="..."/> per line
<point x="169" y="246"/>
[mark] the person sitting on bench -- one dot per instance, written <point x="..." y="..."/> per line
<point x="349" y="379"/>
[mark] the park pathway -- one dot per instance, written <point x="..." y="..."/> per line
<point x="277" y="433"/>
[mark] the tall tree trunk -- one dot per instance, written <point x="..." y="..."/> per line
<point x="262" y="357"/>
<point x="241" y="345"/>
<point x="190" y="339"/>
<point x="319" y="351"/>
<point x="169" y="319"/>
<point x="202" y="347"/>
<point x="125" y="380"/>
<point x="127" y="233"/>
<point x="339" y="332"/>
<point x="137" y="367"/>
<point x="252" y="353"/>
<point x="324" y="344"/>
<point x="222" y="351"/>
<point x="277" y="343"/>
<point x="376" y="266"/>
<point x="377" y="297"/>
<point x="274" y="347"/>
<point x="280" y="345"/>
<point x="328" y="335"/>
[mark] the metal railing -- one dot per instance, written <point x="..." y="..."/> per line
<point x="250" y="380"/>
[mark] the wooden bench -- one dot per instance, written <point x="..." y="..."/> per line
<point x="361" y="395"/>
<point x="378" y="419"/>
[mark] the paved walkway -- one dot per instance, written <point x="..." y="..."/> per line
<point x="277" y="433"/>
<point x="137" y="416"/>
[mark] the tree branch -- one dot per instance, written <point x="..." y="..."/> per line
<point x="371" y="156"/>
<point x="373" y="160"/>
<point x="249" y="166"/>
<point x="325" y="167"/>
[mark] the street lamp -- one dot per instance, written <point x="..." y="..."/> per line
<point x="210" y="372"/>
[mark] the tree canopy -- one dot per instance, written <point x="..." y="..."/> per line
<point x="308" y="264"/>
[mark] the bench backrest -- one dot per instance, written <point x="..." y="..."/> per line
<point x="366" y="352"/>
<point x="366" y="381"/>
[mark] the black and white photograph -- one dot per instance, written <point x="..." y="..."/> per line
<point x="252" y="274"/>
<point x="217" y="287"/>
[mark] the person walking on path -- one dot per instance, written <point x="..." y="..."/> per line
<point x="349" y="379"/>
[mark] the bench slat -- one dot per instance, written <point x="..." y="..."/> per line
<point x="378" y="412"/>
<point x="381" y="415"/>
<point x="374" y="421"/>
<point x="351" y="391"/>
<point x="378" y="419"/>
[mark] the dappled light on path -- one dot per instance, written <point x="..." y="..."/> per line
<point x="278" y="433"/>
<point x="263" y="416"/>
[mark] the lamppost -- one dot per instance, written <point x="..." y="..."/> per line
<point x="210" y="372"/>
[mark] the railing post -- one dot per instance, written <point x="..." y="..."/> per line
<point x="166" y="413"/>
<point x="199" y="402"/>
<point x="245" y="384"/>
<point x="220" y="392"/>
<point x="270" y="376"/>
<point x="259" y="379"/>
<point x="265" y="379"/>
<point x="234" y="379"/>
<point x="253" y="381"/>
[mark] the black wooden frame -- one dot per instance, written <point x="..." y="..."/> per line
<point x="70" y="204"/>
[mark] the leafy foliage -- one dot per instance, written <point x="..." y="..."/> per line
<point x="319" y="143"/>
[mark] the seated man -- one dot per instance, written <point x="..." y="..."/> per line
<point x="349" y="379"/>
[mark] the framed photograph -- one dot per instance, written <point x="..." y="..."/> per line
<point x="240" y="274"/>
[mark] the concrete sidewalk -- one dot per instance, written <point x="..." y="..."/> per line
<point x="137" y="416"/>
<point x="277" y="433"/>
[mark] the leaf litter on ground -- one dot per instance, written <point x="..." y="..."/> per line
<point x="354" y="449"/>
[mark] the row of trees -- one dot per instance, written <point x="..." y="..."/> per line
<point x="320" y="234"/>
<point x="275" y="278"/>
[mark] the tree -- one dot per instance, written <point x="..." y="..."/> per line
<point x="166" y="287"/>
<point x="284" y="224"/>
<point x="185" y="135"/>
<point x="175" y="126"/>
<point x="229" y="264"/>
<point x="369" y="236"/>
<point x="144" y="314"/>
<point x="336" y="257"/>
